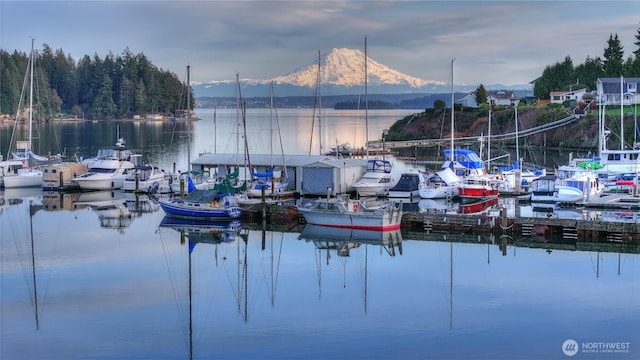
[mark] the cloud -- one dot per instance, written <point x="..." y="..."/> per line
<point x="506" y="42"/>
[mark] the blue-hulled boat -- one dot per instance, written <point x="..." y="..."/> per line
<point x="202" y="205"/>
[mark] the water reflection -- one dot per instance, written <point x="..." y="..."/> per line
<point x="428" y="295"/>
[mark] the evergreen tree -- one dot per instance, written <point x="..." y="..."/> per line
<point x="613" y="57"/>
<point x="103" y="107"/>
<point x="637" y="43"/>
<point x="481" y="95"/>
<point x="589" y="72"/>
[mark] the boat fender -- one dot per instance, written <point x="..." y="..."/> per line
<point x="355" y="207"/>
<point x="227" y="203"/>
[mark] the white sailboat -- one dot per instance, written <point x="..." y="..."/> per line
<point x="30" y="175"/>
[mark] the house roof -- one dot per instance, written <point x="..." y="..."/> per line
<point x="612" y="85"/>
<point x="501" y="94"/>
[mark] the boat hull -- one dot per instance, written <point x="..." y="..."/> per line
<point x="24" y="178"/>
<point x="361" y="221"/>
<point x="100" y="183"/>
<point x="471" y="193"/>
<point x="185" y="211"/>
<point x="562" y="194"/>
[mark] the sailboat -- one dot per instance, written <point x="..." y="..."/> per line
<point x="477" y="186"/>
<point x="274" y="181"/>
<point x="30" y="175"/>
<point x="196" y="232"/>
<point x="380" y="176"/>
<point x="217" y="203"/>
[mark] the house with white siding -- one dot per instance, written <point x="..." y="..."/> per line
<point x="611" y="90"/>
<point x="502" y="97"/>
<point x="497" y="97"/>
<point x="558" y="97"/>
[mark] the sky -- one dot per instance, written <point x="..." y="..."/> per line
<point x="506" y="42"/>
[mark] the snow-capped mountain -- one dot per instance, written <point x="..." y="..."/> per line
<point x="346" y="67"/>
<point x="342" y="72"/>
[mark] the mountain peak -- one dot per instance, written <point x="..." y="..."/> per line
<point x="345" y="67"/>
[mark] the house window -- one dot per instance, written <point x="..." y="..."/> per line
<point x="632" y="87"/>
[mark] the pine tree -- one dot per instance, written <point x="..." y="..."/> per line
<point x="481" y="95"/>
<point x="613" y="57"/>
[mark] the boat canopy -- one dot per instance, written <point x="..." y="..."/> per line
<point x="379" y="165"/>
<point x="465" y="157"/>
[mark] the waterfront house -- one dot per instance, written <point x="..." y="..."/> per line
<point x="559" y="97"/>
<point x="609" y="90"/>
<point x="495" y="98"/>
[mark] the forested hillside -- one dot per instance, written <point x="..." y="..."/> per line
<point x="116" y="86"/>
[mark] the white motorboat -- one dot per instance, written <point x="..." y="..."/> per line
<point x="109" y="169"/>
<point x="550" y="190"/>
<point x="352" y="214"/>
<point x="378" y="179"/>
<point x="145" y="178"/>
<point x="441" y="185"/>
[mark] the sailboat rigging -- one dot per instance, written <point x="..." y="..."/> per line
<point x="30" y="175"/>
<point x="317" y="104"/>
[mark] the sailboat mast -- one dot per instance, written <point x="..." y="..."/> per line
<point x="517" y="141"/>
<point x="452" y="115"/>
<point x="188" y="122"/>
<point x="271" y="125"/>
<point x="33" y="267"/>
<point x="621" y="113"/>
<point x="319" y="104"/>
<point x="366" y="99"/>
<point x="31" y="95"/>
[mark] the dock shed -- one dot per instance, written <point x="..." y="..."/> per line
<point x="337" y="174"/>
<point x="308" y="174"/>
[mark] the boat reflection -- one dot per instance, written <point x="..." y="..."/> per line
<point x="477" y="207"/>
<point x="110" y="207"/>
<point x="344" y="240"/>
<point x="199" y="231"/>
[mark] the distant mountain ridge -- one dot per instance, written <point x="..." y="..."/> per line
<point x="342" y="73"/>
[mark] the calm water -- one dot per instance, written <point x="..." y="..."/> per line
<point x="95" y="284"/>
<point x="79" y="280"/>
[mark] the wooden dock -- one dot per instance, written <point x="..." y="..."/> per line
<point x="496" y="222"/>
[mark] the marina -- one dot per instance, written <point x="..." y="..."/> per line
<point x="111" y="271"/>
<point x="84" y="277"/>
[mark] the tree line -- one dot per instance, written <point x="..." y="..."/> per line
<point x="564" y="76"/>
<point x="116" y="86"/>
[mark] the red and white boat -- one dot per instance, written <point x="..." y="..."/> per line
<point x="478" y="188"/>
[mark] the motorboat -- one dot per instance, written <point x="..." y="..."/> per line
<point x="408" y="185"/>
<point x="341" y="212"/>
<point x="109" y="170"/>
<point x="548" y="189"/>
<point x="441" y="185"/>
<point x="378" y="179"/>
<point x="145" y="178"/>
<point x="478" y="188"/>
